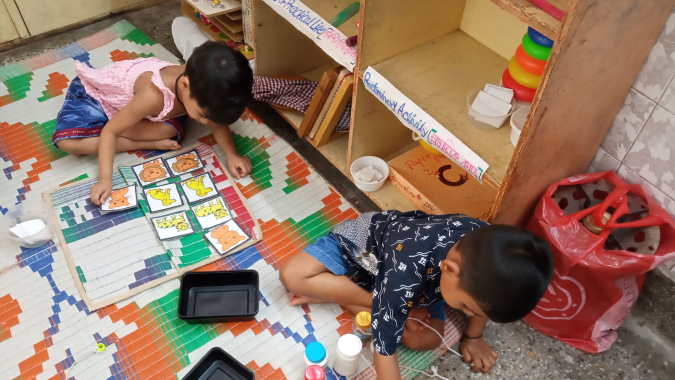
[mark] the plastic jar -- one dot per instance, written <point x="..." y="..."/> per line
<point x="346" y="361"/>
<point x="315" y="354"/>
<point x="314" y="372"/>
<point x="362" y="327"/>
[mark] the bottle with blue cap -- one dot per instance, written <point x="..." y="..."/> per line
<point x="315" y="354"/>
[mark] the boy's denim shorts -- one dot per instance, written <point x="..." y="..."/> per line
<point x="328" y="251"/>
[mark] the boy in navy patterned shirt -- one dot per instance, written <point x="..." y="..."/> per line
<point x="414" y="264"/>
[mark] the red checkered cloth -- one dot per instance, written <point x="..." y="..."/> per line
<point x="295" y="94"/>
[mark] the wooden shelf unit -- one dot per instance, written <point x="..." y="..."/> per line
<point x="436" y="51"/>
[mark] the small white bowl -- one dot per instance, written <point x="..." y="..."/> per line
<point x="517" y="122"/>
<point x="23" y="212"/>
<point x="376" y="163"/>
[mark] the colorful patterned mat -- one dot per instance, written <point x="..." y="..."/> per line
<point x="44" y="325"/>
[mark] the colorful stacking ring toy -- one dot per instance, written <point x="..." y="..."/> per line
<point x="539" y="38"/>
<point x="532" y="65"/>
<point x="521" y="75"/>
<point x="534" y="50"/>
<point x="520" y="92"/>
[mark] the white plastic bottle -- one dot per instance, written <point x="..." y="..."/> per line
<point x="346" y="361"/>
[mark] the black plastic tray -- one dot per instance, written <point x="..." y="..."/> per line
<point x="211" y="297"/>
<point x="219" y="365"/>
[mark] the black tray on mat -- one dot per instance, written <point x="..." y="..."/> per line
<point x="212" y="297"/>
<point x="219" y="365"/>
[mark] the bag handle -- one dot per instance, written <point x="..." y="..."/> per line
<point x="617" y="198"/>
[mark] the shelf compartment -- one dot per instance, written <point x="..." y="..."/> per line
<point x="325" y="9"/>
<point x="438" y="75"/>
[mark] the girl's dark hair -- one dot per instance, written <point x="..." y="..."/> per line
<point x="221" y="81"/>
<point x="505" y="269"/>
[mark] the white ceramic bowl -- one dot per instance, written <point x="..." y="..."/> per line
<point x="376" y="163"/>
<point x="481" y="121"/>
<point x="25" y="211"/>
<point x="517" y="122"/>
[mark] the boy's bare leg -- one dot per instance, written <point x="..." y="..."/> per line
<point x="426" y="339"/>
<point x="309" y="281"/>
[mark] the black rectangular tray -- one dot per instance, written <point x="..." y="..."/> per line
<point x="212" y="297"/>
<point x="219" y="365"/>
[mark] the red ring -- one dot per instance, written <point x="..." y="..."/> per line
<point x="528" y="63"/>
<point x="520" y="92"/>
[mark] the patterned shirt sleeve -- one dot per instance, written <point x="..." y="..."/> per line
<point x="398" y="284"/>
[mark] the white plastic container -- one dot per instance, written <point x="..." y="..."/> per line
<point x="376" y="163"/>
<point x="481" y="121"/>
<point x="517" y="122"/>
<point x="23" y="212"/>
<point x="347" y="354"/>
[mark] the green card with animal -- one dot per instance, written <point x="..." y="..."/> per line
<point x="199" y="188"/>
<point x="172" y="226"/>
<point x="212" y="212"/>
<point x="163" y="197"/>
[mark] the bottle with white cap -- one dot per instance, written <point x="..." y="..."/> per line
<point x="346" y="361"/>
<point x="315" y="354"/>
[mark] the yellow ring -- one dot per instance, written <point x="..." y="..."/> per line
<point x="100" y="347"/>
<point x="522" y="76"/>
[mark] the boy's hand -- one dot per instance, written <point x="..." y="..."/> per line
<point x="239" y="166"/>
<point x="421" y="314"/>
<point x="101" y="191"/>
<point x="479" y="353"/>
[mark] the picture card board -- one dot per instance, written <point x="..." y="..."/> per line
<point x="199" y="188"/>
<point x="133" y="236"/>
<point x="184" y="163"/>
<point x="226" y="237"/>
<point x="151" y="171"/>
<point x="163" y="197"/>
<point x="121" y="199"/>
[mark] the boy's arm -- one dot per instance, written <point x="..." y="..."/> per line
<point x="142" y="105"/>
<point x="478" y="351"/>
<point x="240" y="166"/>
<point x="387" y="366"/>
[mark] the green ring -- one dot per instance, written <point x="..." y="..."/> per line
<point x="534" y="50"/>
<point x="100" y="347"/>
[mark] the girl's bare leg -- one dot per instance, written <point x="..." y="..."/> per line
<point x="146" y="135"/>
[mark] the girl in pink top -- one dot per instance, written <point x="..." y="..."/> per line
<point x="141" y="103"/>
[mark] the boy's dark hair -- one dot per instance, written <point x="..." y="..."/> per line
<point x="221" y="81"/>
<point x="505" y="269"/>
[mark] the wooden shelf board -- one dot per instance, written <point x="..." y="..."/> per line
<point x="336" y="152"/>
<point x="389" y="198"/>
<point x="438" y="75"/>
<point x="410" y="146"/>
<point x="534" y="16"/>
<point x="190" y="13"/>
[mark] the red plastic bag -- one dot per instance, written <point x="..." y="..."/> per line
<point x="594" y="288"/>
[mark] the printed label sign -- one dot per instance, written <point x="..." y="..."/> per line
<point x="331" y="40"/>
<point x="424" y="125"/>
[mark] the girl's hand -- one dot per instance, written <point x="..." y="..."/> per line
<point x="101" y="191"/>
<point x="239" y="166"/>
<point x="479" y="353"/>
